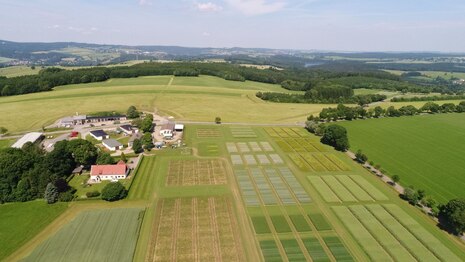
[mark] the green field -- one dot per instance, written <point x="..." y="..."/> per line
<point x="185" y="99"/>
<point x="423" y="150"/>
<point x="103" y="235"/>
<point x="19" y="222"/>
<point x="6" y="143"/>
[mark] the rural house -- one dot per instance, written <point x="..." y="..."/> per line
<point x="116" y="172"/>
<point x="129" y="130"/>
<point x="167" y="130"/>
<point x="112" y="144"/>
<point x="99" y="135"/>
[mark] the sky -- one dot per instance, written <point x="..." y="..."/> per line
<point x="337" y="25"/>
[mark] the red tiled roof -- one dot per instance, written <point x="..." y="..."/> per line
<point x="118" y="169"/>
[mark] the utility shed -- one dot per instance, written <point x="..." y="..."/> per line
<point x="29" y="137"/>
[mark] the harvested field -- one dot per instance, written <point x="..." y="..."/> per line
<point x="196" y="172"/>
<point x="195" y="229"/>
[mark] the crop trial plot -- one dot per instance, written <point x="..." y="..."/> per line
<point x="231" y="147"/>
<point x="237" y="160"/>
<point x="266" y="146"/>
<point x="314" y="248"/>
<point x="208" y="132"/>
<point x="243" y="147"/>
<point x="255" y="146"/>
<point x="250" y="159"/>
<point x="196" y="172"/>
<point x="195" y="229"/>
<point x="276" y="159"/>
<point x="97" y="235"/>
<point x="337" y="248"/>
<point x="295" y="185"/>
<point x="300" y="223"/>
<point x="292" y="249"/>
<point x="280" y="188"/>
<point x="319" y="221"/>
<point x="264" y="189"/>
<point x="263" y="160"/>
<point x="260" y="225"/>
<point x="248" y="192"/>
<point x="270" y="251"/>
<point x="322" y="188"/>
<point x="243" y="132"/>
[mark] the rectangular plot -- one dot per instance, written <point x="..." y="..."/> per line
<point x="315" y="249"/>
<point x="281" y="189"/>
<point x="384" y="237"/>
<point x="196" y="172"/>
<point x="292" y="249"/>
<point x="326" y="162"/>
<point x="295" y="185"/>
<point x="263" y="160"/>
<point x="320" y="147"/>
<point x="231" y="147"/>
<point x="236" y="160"/>
<point x="255" y="147"/>
<point x="260" y="225"/>
<point x="208" y="132"/>
<point x="301" y="131"/>
<point x="300" y="223"/>
<point x="339" y="189"/>
<point x="416" y="248"/>
<point x="355" y="189"/>
<point x="266" y="146"/>
<point x="429" y="240"/>
<point x="243" y="147"/>
<point x="270" y="251"/>
<point x="314" y="164"/>
<point x="276" y="159"/>
<point x="369" y="188"/>
<point x="337" y="249"/>
<point x="250" y="159"/>
<point x="361" y="234"/>
<point x="299" y="162"/>
<point x="280" y="224"/>
<point x="338" y="162"/>
<point x="322" y="188"/>
<point x="284" y="146"/>
<point x="319" y="221"/>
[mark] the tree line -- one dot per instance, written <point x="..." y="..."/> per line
<point x="427" y="98"/>
<point x="321" y="97"/>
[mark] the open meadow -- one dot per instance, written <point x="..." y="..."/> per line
<point x="425" y="151"/>
<point x="186" y="98"/>
<point x="19" y="222"/>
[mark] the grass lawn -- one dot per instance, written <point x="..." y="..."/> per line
<point x="423" y="150"/>
<point x="78" y="182"/>
<point x="19" y="222"/>
<point x="4" y="143"/>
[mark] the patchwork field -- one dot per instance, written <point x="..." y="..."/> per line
<point x="195" y="229"/>
<point x="98" y="235"/>
<point x="424" y="151"/>
<point x="196" y="172"/>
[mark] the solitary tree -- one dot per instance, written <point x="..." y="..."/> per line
<point x="51" y="193"/>
<point x="336" y="136"/>
<point x="114" y="191"/>
<point x="132" y="112"/>
<point x="3" y="130"/>
<point x="218" y="120"/>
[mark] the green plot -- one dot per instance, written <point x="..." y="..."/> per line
<point x="430" y="241"/>
<point x="355" y="189"/>
<point x="337" y="248"/>
<point x="315" y="249"/>
<point x="280" y="224"/>
<point x="384" y="237"/>
<point x="369" y="188"/>
<point x="292" y="249"/>
<point x="98" y="235"/>
<point x="270" y="251"/>
<point x="339" y="189"/>
<point x="260" y="225"/>
<point x="143" y="184"/>
<point x="327" y="194"/>
<point x="319" y="221"/>
<point x="361" y="234"/>
<point x="300" y="223"/>
<point x="416" y="248"/>
<point x="208" y="149"/>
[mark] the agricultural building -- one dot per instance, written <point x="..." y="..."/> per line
<point x="129" y="130"/>
<point x="29" y="137"/>
<point x="108" y="172"/>
<point x="99" y="135"/>
<point x="112" y="144"/>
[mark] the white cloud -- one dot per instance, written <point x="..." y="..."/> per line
<point x="256" y="7"/>
<point x="145" y="2"/>
<point x="208" y="7"/>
